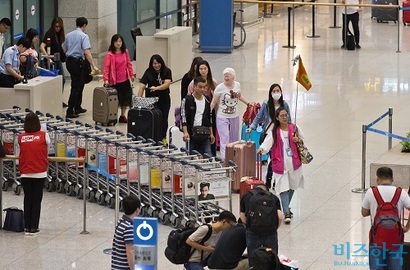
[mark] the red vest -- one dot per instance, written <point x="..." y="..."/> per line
<point x="33" y="152"/>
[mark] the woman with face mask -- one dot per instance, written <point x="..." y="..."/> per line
<point x="265" y="116"/>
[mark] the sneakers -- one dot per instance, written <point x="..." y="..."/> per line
<point x="123" y="119"/>
<point x="343" y="47"/>
<point x="358" y="46"/>
<point x="288" y="218"/>
<point x="31" y="232"/>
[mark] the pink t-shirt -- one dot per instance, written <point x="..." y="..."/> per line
<point x="121" y="67"/>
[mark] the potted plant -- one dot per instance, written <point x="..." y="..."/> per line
<point x="406" y="145"/>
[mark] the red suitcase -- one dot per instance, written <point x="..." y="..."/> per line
<point x="244" y="155"/>
<point x="251" y="182"/>
<point x="406" y="13"/>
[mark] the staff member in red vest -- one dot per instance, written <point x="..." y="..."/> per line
<point x="33" y="166"/>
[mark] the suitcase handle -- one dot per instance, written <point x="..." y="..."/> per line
<point x="259" y="166"/>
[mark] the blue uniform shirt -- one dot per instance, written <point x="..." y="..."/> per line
<point x="11" y="56"/>
<point x="76" y="42"/>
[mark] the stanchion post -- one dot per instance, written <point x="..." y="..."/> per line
<point x="334" y="16"/>
<point x="390" y="128"/>
<point x="289" y="22"/>
<point x="398" y="32"/>
<point x="313" y="22"/>
<point x="362" y="189"/>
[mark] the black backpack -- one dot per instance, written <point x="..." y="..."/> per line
<point x="262" y="217"/>
<point x="265" y="259"/>
<point x="177" y="250"/>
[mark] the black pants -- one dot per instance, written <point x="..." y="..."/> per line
<point x="33" y="195"/>
<point x="75" y="66"/>
<point x="7" y="80"/>
<point x="164" y="105"/>
<point x="354" y="18"/>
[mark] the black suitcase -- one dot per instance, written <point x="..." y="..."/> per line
<point x="386" y="14"/>
<point x="105" y="105"/>
<point x="146" y="123"/>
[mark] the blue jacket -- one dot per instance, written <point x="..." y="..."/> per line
<point x="263" y="114"/>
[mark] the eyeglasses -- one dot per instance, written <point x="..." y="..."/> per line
<point x="283" y="115"/>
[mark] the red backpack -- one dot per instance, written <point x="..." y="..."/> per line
<point x="386" y="226"/>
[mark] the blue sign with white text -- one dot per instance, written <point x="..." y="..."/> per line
<point x="145" y="231"/>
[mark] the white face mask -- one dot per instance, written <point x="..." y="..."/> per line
<point x="276" y="96"/>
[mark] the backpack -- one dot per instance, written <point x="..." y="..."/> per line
<point x="350" y="42"/>
<point x="262" y="216"/>
<point x="386" y="226"/>
<point x="250" y="113"/>
<point x="177" y="114"/>
<point x="264" y="258"/>
<point x="177" y="250"/>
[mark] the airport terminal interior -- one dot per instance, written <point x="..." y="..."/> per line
<point x="350" y="89"/>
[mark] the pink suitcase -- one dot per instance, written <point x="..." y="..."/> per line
<point x="244" y="155"/>
<point x="251" y="182"/>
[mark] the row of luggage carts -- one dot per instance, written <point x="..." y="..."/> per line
<point x="166" y="179"/>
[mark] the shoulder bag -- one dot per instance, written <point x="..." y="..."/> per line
<point x="304" y="154"/>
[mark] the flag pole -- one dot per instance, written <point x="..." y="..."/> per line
<point x="296" y="103"/>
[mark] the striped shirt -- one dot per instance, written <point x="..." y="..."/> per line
<point x="123" y="235"/>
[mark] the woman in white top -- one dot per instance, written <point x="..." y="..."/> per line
<point x="226" y="97"/>
<point x="286" y="163"/>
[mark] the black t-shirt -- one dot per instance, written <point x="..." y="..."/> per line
<point x="150" y="79"/>
<point x="55" y="47"/>
<point x="229" y="248"/>
<point x="244" y="204"/>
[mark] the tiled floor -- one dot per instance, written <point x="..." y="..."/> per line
<point x="350" y="88"/>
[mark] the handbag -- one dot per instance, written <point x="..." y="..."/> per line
<point x="200" y="133"/>
<point x="144" y="102"/>
<point x="14" y="220"/>
<point x="264" y="133"/>
<point x="304" y="154"/>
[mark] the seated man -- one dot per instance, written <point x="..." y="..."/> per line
<point x="203" y="247"/>
<point x="229" y="249"/>
<point x="10" y="63"/>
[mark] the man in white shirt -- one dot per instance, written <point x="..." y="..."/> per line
<point x="352" y="15"/>
<point x="5" y="25"/>
<point x="369" y="208"/>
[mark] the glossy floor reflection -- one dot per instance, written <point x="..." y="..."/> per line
<point x="350" y="88"/>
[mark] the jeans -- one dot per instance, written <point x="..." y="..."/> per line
<point x="285" y="198"/>
<point x="253" y="241"/>
<point x="203" y="147"/>
<point x="392" y="259"/>
<point x="195" y="265"/>
<point x="33" y="195"/>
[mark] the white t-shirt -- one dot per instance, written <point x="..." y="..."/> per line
<point x="227" y="107"/>
<point x="197" y="236"/>
<point x="200" y="107"/>
<point x="387" y="193"/>
<point x="1" y="45"/>
<point x="350" y="9"/>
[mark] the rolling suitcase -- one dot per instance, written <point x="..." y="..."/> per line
<point x="244" y="155"/>
<point x="175" y="137"/>
<point x="251" y="182"/>
<point x="406" y="11"/>
<point x="254" y="136"/>
<point x="105" y="105"/>
<point x="386" y="14"/>
<point x="146" y="123"/>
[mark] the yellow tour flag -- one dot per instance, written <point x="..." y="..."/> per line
<point x="302" y="76"/>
